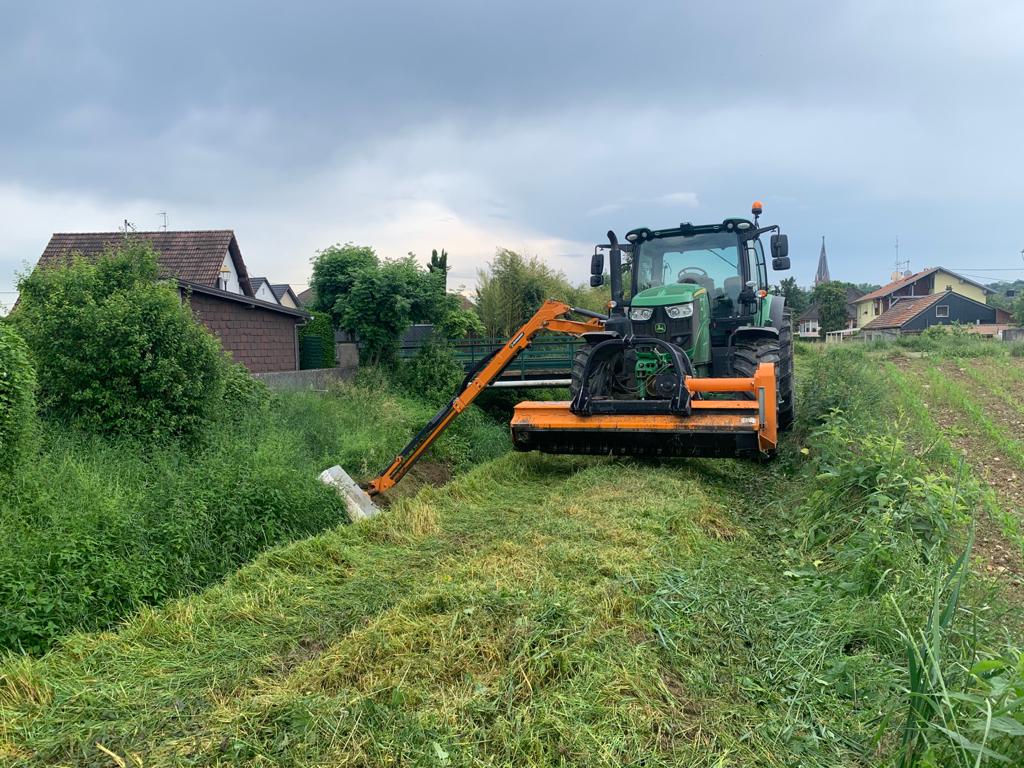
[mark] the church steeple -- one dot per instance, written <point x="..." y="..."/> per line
<point x="821" y="276"/>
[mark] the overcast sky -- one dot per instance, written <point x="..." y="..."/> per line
<point x="531" y="125"/>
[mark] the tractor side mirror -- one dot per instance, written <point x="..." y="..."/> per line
<point x="597" y="270"/>
<point x="780" y="252"/>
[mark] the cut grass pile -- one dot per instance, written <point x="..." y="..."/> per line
<point x="567" y="611"/>
<point x="94" y="528"/>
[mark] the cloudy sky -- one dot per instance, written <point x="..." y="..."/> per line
<point x="536" y="126"/>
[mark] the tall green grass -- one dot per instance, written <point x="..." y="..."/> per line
<point x="94" y="528"/>
<point x="572" y="611"/>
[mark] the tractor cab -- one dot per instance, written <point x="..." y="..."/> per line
<point x="695" y="286"/>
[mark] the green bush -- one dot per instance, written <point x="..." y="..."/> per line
<point x="951" y="341"/>
<point x="17" y="398"/>
<point x="242" y="392"/>
<point x="1016" y="348"/>
<point x="116" y="351"/>
<point x="433" y="374"/>
<point x="320" y="326"/>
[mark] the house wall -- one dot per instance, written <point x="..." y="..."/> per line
<point x="961" y="310"/>
<point x="287" y="301"/>
<point x="233" y="286"/>
<point x="944" y="279"/>
<point x="937" y="282"/>
<point x="265" y="294"/>
<point x="261" y="339"/>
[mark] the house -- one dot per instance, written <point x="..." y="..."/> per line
<point x="263" y="290"/>
<point x="913" y="314"/>
<point x="808" y="325"/>
<point x="285" y="295"/>
<point x="927" y="282"/>
<point x="307" y="298"/>
<point x="212" y="277"/>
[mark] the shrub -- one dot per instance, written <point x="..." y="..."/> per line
<point x="17" y="397"/>
<point x="116" y="351"/>
<point x="242" y="392"/>
<point x="1016" y="349"/>
<point x="433" y="374"/>
<point x="320" y="326"/>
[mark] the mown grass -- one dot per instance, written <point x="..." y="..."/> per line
<point x="94" y="528"/>
<point x="558" y="611"/>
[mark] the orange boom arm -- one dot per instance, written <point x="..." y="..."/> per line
<point x="551" y="316"/>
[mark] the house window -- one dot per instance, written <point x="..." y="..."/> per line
<point x="942" y="310"/>
<point x="949" y="287"/>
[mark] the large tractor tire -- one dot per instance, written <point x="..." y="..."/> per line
<point x="608" y="380"/>
<point x="787" y="378"/>
<point x="747" y="354"/>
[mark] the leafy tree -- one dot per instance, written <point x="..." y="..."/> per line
<point x="797" y="298"/>
<point x="866" y="288"/>
<point x="334" y="273"/>
<point x="456" y="322"/>
<point x="439" y="266"/>
<point x="116" y="350"/>
<point x="831" y="300"/>
<point x="1017" y="308"/>
<point x="512" y="288"/>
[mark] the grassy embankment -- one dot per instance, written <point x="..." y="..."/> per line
<point x="559" y="611"/>
<point x="94" y="528"/>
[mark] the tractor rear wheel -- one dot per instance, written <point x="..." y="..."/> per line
<point x="747" y="354"/>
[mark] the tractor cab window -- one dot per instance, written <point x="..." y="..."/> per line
<point x="709" y="260"/>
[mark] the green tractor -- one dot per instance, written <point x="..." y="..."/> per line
<point x="699" y="305"/>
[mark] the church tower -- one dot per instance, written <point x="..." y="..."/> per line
<point x="821" y="276"/>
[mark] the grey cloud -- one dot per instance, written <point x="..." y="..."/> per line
<point x="858" y="120"/>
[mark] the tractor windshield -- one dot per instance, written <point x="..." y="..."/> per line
<point x="709" y="260"/>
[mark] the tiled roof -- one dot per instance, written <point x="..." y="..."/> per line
<point x="903" y="310"/>
<point x="307" y="297"/>
<point x="195" y="257"/>
<point x="280" y="289"/>
<point x="895" y="285"/>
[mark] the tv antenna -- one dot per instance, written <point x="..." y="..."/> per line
<point x="127" y="227"/>
<point x="164" y="225"/>
<point x="901" y="266"/>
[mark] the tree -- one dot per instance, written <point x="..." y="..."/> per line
<point x="334" y="273"/>
<point x="831" y="300"/>
<point x="386" y="299"/>
<point x="513" y="287"/>
<point x="116" y="350"/>
<point x="797" y="298"/>
<point x="439" y="266"/>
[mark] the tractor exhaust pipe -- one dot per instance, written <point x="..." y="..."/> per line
<point x="615" y="267"/>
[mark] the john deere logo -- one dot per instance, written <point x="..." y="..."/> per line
<point x="659" y="328"/>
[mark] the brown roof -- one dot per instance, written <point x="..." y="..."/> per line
<point x="895" y="285"/>
<point x="194" y="257"/>
<point x="903" y="310"/>
<point x="307" y="297"/>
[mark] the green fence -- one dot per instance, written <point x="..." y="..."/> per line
<point x="546" y="357"/>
